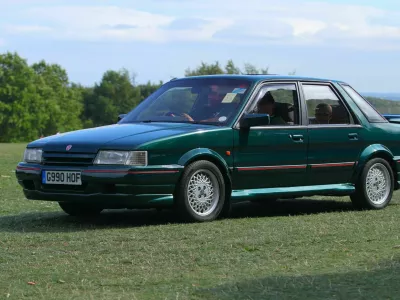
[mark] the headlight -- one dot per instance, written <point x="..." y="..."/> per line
<point x="130" y="158"/>
<point x="33" y="155"/>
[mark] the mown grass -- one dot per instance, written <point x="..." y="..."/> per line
<point x="317" y="248"/>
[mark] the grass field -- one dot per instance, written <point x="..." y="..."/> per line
<point x="317" y="248"/>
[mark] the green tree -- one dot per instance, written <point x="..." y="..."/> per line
<point x="22" y="110"/>
<point x="86" y="93"/>
<point x="231" y="68"/>
<point x="205" y="69"/>
<point x="63" y="102"/>
<point x="251" y="69"/>
<point x="114" y="95"/>
<point x="147" y="89"/>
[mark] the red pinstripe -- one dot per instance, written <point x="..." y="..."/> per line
<point x="131" y="172"/>
<point x="27" y="169"/>
<point x="271" y="168"/>
<point x="288" y="167"/>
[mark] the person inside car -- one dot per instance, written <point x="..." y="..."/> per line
<point x="266" y="105"/>
<point x="323" y="113"/>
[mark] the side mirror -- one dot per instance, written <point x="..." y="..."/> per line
<point x="120" y="117"/>
<point x="251" y="120"/>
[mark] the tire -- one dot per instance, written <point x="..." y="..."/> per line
<point x="200" y="181"/>
<point x="374" y="188"/>
<point x="80" y="210"/>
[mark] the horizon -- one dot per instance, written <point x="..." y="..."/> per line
<point x="354" y="41"/>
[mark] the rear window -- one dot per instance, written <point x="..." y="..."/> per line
<point x="368" y="110"/>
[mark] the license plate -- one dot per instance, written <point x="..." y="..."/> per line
<point x="61" y="177"/>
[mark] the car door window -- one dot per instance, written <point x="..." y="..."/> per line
<point x="280" y="101"/>
<point x="324" y="107"/>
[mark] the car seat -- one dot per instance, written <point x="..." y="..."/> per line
<point x="339" y="115"/>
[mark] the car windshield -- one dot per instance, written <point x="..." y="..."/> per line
<point x="209" y="100"/>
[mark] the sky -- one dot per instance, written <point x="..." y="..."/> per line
<point x="357" y="41"/>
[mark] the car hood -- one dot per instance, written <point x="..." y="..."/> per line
<point x="118" y="136"/>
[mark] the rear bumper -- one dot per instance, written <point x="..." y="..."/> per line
<point x="111" y="187"/>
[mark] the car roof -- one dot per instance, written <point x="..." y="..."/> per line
<point x="261" y="77"/>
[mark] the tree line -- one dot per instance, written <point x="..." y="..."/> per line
<point x="40" y="100"/>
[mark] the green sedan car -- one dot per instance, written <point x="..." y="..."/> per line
<point x="200" y="144"/>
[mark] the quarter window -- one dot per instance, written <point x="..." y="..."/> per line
<point x="369" y="111"/>
<point x="323" y="106"/>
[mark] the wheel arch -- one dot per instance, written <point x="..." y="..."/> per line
<point x="212" y="156"/>
<point x="376" y="151"/>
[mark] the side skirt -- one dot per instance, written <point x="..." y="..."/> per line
<point x="298" y="191"/>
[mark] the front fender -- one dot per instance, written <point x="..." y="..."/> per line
<point x="369" y="152"/>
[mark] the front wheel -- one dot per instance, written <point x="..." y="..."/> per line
<point x="200" y="194"/>
<point x="79" y="210"/>
<point x="374" y="188"/>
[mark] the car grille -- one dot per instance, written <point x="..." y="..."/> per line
<point x="67" y="159"/>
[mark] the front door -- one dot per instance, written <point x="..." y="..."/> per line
<point x="273" y="155"/>
<point x="335" y="138"/>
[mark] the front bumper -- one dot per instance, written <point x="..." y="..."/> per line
<point x="112" y="187"/>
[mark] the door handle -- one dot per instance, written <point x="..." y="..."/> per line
<point x="297" y="137"/>
<point x="353" y="136"/>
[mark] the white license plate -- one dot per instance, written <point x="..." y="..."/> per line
<point x="61" y="177"/>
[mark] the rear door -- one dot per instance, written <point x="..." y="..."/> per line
<point x="335" y="137"/>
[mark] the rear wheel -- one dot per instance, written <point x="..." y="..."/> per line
<point x="80" y="210"/>
<point x="374" y="188"/>
<point x="200" y="194"/>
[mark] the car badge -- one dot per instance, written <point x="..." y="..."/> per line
<point x="68" y="147"/>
